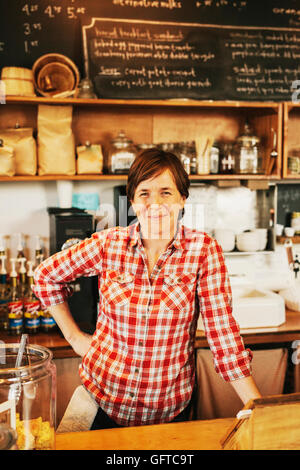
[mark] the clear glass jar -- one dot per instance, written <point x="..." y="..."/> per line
<point x="214" y="159"/>
<point x="121" y="155"/>
<point x="28" y="395"/>
<point x="227" y="161"/>
<point x="247" y="153"/>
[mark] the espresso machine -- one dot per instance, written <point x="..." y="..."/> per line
<point x="66" y="227"/>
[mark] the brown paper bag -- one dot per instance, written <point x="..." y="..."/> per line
<point x="89" y="159"/>
<point x="7" y="161"/>
<point x="56" y="146"/>
<point x="24" y="146"/>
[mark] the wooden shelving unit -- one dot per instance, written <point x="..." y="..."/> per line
<point x="154" y="121"/>
<point x="291" y="137"/>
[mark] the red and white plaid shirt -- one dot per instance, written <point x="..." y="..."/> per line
<point x="140" y="366"/>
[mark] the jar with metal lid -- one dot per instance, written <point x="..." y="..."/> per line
<point x="295" y="222"/>
<point x="121" y="155"/>
<point x="28" y="395"/>
<point x="247" y="153"/>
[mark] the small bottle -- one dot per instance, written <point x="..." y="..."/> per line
<point x="48" y="324"/>
<point x="20" y="246"/>
<point x="32" y="305"/>
<point x="39" y="256"/>
<point x="2" y="246"/>
<point x="3" y="295"/>
<point x="15" y="304"/>
<point x="22" y="284"/>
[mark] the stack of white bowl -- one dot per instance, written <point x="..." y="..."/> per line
<point x="252" y="240"/>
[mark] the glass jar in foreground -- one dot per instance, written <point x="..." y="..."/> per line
<point x="28" y="395"/>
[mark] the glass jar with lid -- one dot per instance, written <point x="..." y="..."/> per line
<point x="28" y="395"/>
<point x="247" y="153"/>
<point x="121" y="154"/>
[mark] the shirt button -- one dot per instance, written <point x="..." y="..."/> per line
<point x="136" y="371"/>
<point x="131" y="394"/>
<point x="147" y="291"/>
<point x="141" y="343"/>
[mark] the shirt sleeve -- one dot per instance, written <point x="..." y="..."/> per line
<point x="52" y="276"/>
<point x="231" y="359"/>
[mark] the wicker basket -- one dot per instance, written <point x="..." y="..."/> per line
<point x="18" y="81"/>
<point x="55" y="73"/>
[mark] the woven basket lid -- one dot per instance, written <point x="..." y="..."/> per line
<point x="55" y="73"/>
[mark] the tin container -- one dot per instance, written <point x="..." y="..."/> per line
<point x="295" y="222"/>
<point x="8" y="438"/>
<point x="28" y="395"/>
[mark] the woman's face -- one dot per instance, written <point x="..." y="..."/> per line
<point x="157" y="203"/>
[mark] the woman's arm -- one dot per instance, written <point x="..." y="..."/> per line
<point x="52" y="280"/>
<point x="79" y="340"/>
<point x="246" y="389"/>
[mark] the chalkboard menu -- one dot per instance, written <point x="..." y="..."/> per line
<point x="288" y="201"/>
<point x="209" y="49"/>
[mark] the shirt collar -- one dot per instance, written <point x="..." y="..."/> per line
<point x="135" y="236"/>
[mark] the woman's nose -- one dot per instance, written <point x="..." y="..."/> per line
<point x="155" y="201"/>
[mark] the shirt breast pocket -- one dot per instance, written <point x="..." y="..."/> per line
<point x="178" y="292"/>
<point x="117" y="288"/>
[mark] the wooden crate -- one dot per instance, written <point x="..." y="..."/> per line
<point x="274" y="424"/>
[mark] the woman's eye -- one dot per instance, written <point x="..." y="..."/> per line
<point x="166" y="193"/>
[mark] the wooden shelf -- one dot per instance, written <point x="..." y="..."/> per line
<point x="193" y="178"/>
<point x="291" y="136"/>
<point x="139" y="102"/>
<point x="154" y="121"/>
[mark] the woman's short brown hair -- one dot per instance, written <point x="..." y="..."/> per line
<point x="152" y="162"/>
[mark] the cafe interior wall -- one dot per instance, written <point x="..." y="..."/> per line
<point x="23" y="209"/>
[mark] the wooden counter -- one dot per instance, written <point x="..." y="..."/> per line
<point x="288" y="332"/>
<point x="194" y="435"/>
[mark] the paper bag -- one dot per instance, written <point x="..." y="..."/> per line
<point x="7" y="161"/>
<point x="56" y="147"/>
<point x="24" y="146"/>
<point x="89" y="159"/>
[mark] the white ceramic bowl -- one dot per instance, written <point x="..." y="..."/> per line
<point x="226" y="238"/>
<point x="263" y="237"/>
<point x="248" y="241"/>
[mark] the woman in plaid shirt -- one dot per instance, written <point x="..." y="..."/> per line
<point x="155" y="278"/>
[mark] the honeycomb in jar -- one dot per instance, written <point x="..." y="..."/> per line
<point x="34" y="434"/>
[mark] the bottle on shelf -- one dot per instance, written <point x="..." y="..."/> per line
<point x="22" y="284"/>
<point x="15" y="303"/>
<point x="48" y="324"/>
<point x="32" y="305"/>
<point x="2" y="246"/>
<point x="20" y="246"/>
<point x="3" y="295"/>
<point x="39" y="256"/>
